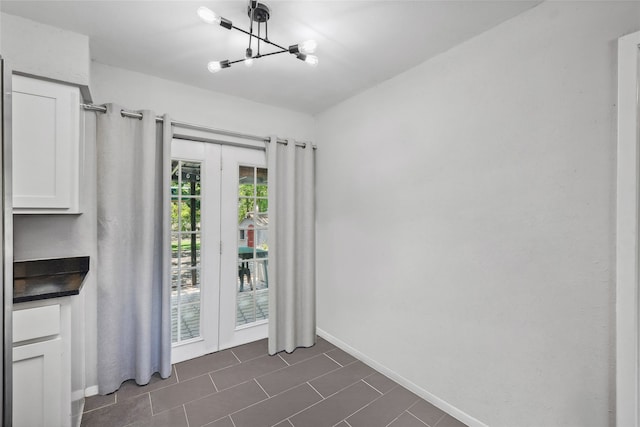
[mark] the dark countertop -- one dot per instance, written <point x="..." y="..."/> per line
<point x="48" y="278"/>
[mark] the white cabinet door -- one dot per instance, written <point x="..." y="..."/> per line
<point x="46" y="146"/>
<point x="37" y="384"/>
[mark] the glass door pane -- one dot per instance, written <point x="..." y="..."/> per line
<point x="244" y="219"/>
<point x="253" y="247"/>
<point x="185" y="250"/>
<point x="195" y="250"/>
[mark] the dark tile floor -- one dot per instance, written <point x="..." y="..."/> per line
<point x="245" y="387"/>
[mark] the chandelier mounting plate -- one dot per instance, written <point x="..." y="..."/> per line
<point x="261" y="12"/>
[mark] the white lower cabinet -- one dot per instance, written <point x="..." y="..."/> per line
<point x="42" y="363"/>
<point x="36" y="384"/>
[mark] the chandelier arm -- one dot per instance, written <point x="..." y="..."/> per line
<point x="236" y="61"/>
<point x="261" y="38"/>
<point x="260" y="56"/>
<point x="272" y="53"/>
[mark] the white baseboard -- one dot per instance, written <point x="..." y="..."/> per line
<point x="91" y="391"/>
<point x="77" y="395"/>
<point x="434" y="400"/>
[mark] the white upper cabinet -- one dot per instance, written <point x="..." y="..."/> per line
<point x="46" y="147"/>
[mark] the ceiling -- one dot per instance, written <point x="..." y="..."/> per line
<point x="360" y="43"/>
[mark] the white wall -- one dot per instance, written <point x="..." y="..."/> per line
<point x="190" y="104"/>
<point x="43" y="50"/>
<point x="466" y="223"/>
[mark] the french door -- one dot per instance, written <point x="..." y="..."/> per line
<point x="219" y="223"/>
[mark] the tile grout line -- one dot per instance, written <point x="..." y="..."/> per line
<point x="214" y="370"/>
<point x="344" y="388"/>
<point x="282" y="368"/>
<point x="249" y="406"/>
<point x="219" y="369"/>
<point x="365" y="381"/>
<point x="99" y="407"/>
<point x="416" y="417"/>
<point x="237" y="365"/>
<point x="210" y="423"/>
<point x="394" y="420"/>
<point x="323" y="399"/>
<point x="282" y="358"/>
<point x="214" y="383"/>
<point x="285" y="367"/>
<point x="440" y="419"/>
<point x="175" y="372"/>
<point x="279" y="422"/>
<point x="184" y="411"/>
<point x="278" y="394"/>
<point x="175" y="384"/>
<point x="332" y="371"/>
<point x="314" y="389"/>
<point x="237" y="358"/>
<point x="406" y="410"/>
<point x="262" y="388"/>
<point x="302" y="410"/>
<point x="341" y="365"/>
<point x="290" y="388"/>
<point x="150" y="403"/>
<point x="155" y="389"/>
<point x="140" y="394"/>
<point x="251" y="358"/>
<point x="193" y="400"/>
<point x="368" y="404"/>
<point x="307" y="382"/>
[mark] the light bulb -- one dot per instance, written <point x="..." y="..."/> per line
<point x="308" y="46"/>
<point x="214" y="66"/>
<point x="248" y="57"/>
<point x="311" y="60"/>
<point x="208" y="16"/>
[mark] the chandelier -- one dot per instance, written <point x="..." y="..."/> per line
<point x="259" y="14"/>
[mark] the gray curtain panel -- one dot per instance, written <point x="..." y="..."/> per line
<point x="133" y="172"/>
<point x="292" y="278"/>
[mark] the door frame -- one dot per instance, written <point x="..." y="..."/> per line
<point x="208" y="155"/>
<point x="231" y="336"/>
<point x="627" y="238"/>
<point x="225" y="173"/>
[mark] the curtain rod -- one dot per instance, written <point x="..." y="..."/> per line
<point x="132" y="114"/>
